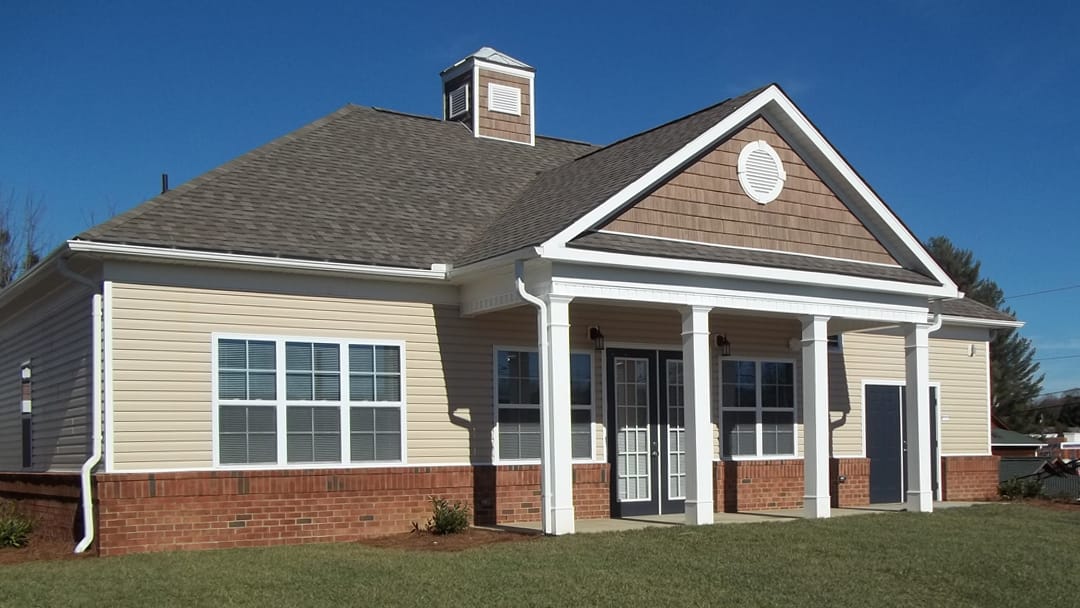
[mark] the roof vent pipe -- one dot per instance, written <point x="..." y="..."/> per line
<point x="164" y="183"/>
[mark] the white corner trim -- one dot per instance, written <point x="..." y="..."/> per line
<point x="438" y="272"/>
<point x="110" y="417"/>
<point x="772" y="95"/>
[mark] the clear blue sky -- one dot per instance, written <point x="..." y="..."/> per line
<point x="961" y="114"/>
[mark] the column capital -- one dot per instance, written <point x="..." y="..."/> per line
<point x="554" y="299"/>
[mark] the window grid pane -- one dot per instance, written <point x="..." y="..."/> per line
<point x="745" y="419"/>
<point x="519" y="433"/>
<point x="375" y="434"/>
<point x="247" y="434"/>
<point x="374" y="373"/>
<point x="246" y="370"/>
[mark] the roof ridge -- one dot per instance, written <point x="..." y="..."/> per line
<point x="149" y="204"/>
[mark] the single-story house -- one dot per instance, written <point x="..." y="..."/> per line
<point x="1008" y="443"/>
<point x="308" y="342"/>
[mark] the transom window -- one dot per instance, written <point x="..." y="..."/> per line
<point x="757" y="408"/>
<point x="517" y="404"/>
<point x="287" y="401"/>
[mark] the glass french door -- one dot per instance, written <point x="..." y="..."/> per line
<point x="647" y="438"/>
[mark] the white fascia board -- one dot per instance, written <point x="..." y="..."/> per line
<point x="735" y="299"/>
<point x="504" y="69"/>
<point x="725" y="269"/>
<point x="977" y="322"/>
<point x="771" y="95"/>
<point x="438" y="272"/>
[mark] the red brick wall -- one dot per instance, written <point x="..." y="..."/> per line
<point x="779" y="484"/>
<point x="855" y="491"/>
<point x="969" y="477"/>
<point x="204" y="510"/>
<point x="51" y="499"/>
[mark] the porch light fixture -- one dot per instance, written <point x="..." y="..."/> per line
<point x="597" y="337"/>
<point x="723" y="345"/>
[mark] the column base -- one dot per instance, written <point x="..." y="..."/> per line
<point x="920" y="502"/>
<point x="817" y="507"/>
<point x="699" y="513"/>
<point x="562" y="520"/>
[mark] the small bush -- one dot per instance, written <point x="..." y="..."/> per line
<point x="447" y="518"/>
<point x="1016" y="488"/>
<point x="14" y="527"/>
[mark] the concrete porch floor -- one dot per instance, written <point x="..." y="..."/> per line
<point x="744" y="517"/>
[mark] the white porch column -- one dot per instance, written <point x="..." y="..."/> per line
<point x="815" y="402"/>
<point x="697" y="407"/>
<point x="558" y="469"/>
<point x="920" y="497"/>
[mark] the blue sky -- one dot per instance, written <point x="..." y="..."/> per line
<point x="960" y="114"/>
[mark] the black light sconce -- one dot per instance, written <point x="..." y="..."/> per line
<point x="723" y="345"/>
<point x="597" y="337"/>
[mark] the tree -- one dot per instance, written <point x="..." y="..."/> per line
<point x="1015" y="381"/>
<point x="20" y="236"/>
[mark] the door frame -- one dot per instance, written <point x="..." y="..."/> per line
<point x="658" y="502"/>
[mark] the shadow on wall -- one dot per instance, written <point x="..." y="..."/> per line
<point x="465" y="357"/>
<point x="839" y="401"/>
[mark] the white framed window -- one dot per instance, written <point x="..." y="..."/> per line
<point x="502" y="98"/>
<point x="757" y="408"/>
<point x="517" y="405"/>
<point x="301" y="402"/>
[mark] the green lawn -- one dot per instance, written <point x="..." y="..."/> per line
<point x="1000" y="555"/>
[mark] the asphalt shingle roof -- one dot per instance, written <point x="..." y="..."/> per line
<point x="361" y="185"/>
<point x="970" y="308"/>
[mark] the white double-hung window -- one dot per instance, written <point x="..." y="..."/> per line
<point x="517" y="405"/>
<point x="757" y="403"/>
<point x="292" y="401"/>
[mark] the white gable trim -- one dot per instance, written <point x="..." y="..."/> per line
<point x="701" y="143"/>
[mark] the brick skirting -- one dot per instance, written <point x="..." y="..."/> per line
<point x="52" y="500"/>
<point x="759" y="485"/>
<point x="969" y="477"/>
<point x="219" y="509"/>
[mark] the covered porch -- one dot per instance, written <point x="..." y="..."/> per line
<point x="695" y="316"/>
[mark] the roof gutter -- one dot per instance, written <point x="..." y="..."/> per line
<point x="95" y="408"/>
<point x="545" y="395"/>
<point x="193" y="256"/>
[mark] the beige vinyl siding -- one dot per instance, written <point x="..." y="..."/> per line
<point x="54" y="332"/>
<point x="962" y="396"/>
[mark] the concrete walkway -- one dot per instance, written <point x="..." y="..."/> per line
<point x="746" y="517"/>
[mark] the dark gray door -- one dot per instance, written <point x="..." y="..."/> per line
<point x="884" y="443"/>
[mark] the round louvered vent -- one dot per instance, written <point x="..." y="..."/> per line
<point x="761" y="173"/>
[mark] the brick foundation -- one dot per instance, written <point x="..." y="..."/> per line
<point x="969" y="477"/>
<point x="760" y="485"/>
<point x="219" y="509"/>
<point x="52" y="500"/>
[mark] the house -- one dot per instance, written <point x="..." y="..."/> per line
<point x="309" y="341"/>
<point x="1007" y="443"/>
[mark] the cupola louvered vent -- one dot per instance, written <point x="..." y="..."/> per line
<point x="458" y="101"/>
<point x="761" y="173"/>
<point x="504" y="99"/>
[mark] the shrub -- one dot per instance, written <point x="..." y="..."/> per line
<point x="1017" y="488"/>
<point x="14" y="527"/>
<point x="447" y="518"/>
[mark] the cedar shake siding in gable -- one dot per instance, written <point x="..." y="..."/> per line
<point x="706" y="204"/>
<point x="499" y="124"/>
<point x="53" y="332"/>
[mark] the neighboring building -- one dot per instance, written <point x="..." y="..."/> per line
<point x="1010" y="444"/>
<point x="310" y="340"/>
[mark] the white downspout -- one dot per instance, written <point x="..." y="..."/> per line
<point x="545" y="406"/>
<point x="95" y="408"/>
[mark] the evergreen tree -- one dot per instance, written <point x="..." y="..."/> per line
<point x="1015" y="381"/>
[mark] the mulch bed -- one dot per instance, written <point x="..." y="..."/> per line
<point x="41" y="548"/>
<point x="419" y="540"/>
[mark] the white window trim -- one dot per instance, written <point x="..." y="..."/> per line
<point x="495" y="459"/>
<point x="492" y="88"/>
<point x="280" y="403"/>
<point x="796" y="409"/>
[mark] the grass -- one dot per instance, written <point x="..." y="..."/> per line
<point x="1001" y="555"/>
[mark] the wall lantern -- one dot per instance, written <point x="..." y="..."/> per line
<point x="597" y="338"/>
<point x="723" y="345"/>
